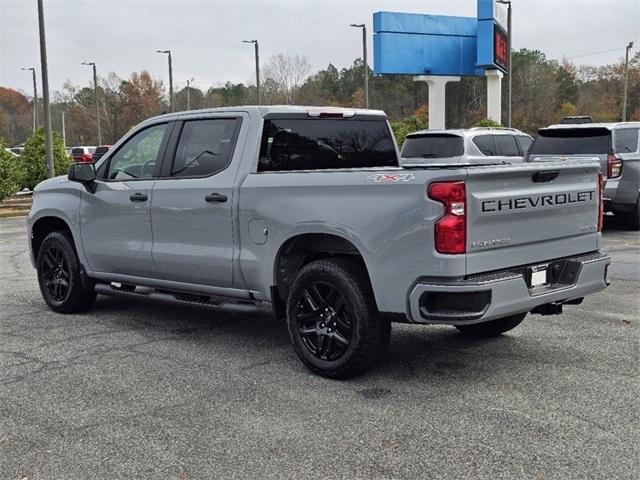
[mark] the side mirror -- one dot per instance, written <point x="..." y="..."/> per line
<point x="84" y="173"/>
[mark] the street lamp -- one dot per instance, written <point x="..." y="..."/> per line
<point x="95" y="93"/>
<point x="48" y="142"/>
<point x="509" y="76"/>
<point x="168" y="52"/>
<point x="626" y="82"/>
<point x="364" y="61"/>
<point x="35" y="98"/>
<point x="188" y="93"/>
<point x="255" y="44"/>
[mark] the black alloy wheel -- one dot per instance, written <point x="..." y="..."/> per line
<point x="324" y="321"/>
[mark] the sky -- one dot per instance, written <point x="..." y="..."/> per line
<point x="205" y="37"/>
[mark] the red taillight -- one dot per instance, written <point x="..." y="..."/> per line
<point x="86" y="157"/>
<point x="614" y="166"/>
<point x="451" y="229"/>
<point x="600" y="201"/>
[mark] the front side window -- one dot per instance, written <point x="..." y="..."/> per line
<point x="506" y="145"/>
<point x="205" y="147"/>
<point x="626" y="141"/>
<point x="524" y="143"/>
<point x="485" y="144"/>
<point x="137" y="159"/>
<point x="315" y="144"/>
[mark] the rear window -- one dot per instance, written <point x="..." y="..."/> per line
<point x="507" y="146"/>
<point x="102" y="150"/>
<point x="77" y="151"/>
<point x="316" y="144"/>
<point x="626" y="141"/>
<point x="567" y="141"/>
<point x="432" y="146"/>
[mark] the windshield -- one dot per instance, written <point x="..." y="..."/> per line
<point x="435" y="145"/>
<point x="569" y="141"/>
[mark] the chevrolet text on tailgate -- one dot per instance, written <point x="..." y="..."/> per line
<point x="306" y="211"/>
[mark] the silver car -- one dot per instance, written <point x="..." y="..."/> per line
<point x="474" y="145"/>
<point x="617" y="147"/>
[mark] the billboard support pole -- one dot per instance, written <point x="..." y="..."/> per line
<point x="437" y="98"/>
<point x="494" y="95"/>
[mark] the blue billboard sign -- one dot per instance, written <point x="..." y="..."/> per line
<point x="420" y="44"/>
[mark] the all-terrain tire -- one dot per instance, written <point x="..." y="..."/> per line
<point x="59" y="275"/>
<point x="493" y="328"/>
<point x="359" y="321"/>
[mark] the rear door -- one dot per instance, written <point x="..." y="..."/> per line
<point x="580" y="143"/>
<point x="530" y="213"/>
<point x="192" y="208"/>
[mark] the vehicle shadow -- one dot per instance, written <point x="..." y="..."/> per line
<point x="415" y="350"/>
<point x="613" y="223"/>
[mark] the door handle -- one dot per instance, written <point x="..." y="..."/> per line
<point x="216" y="197"/>
<point x="139" y="197"/>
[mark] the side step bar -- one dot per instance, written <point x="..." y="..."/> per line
<point x="116" y="289"/>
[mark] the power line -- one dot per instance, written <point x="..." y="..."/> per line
<point x="597" y="53"/>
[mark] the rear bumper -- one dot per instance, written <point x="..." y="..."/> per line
<point x="480" y="298"/>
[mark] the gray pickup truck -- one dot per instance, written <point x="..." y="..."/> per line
<point x="306" y="211"/>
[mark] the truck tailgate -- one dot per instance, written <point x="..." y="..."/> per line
<point x="530" y="213"/>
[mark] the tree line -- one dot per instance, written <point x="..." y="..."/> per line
<point x="544" y="91"/>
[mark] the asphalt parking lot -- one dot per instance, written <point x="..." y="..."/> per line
<point x="134" y="389"/>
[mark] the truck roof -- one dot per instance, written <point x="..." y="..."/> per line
<point x="265" y="110"/>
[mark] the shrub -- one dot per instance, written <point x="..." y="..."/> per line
<point x="10" y="173"/>
<point x="34" y="158"/>
<point x="486" y="122"/>
<point x="404" y="127"/>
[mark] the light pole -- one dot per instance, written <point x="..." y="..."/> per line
<point x="509" y="76"/>
<point x="257" y="49"/>
<point x="64" y="131"/>
<point x="364" y="61"/>
<point x="626" y="82"/>
<point x="48" y="144"/>
<point x="35" y="98"/>
<point x="168" y="52"/>
<point x="188" y="93"/>
<point x="95" y="92"/>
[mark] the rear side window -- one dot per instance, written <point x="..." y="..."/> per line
<point x="524" y="143"/>
<point x="205" y="147"/>
<point x="626" y="141"/>
<point x="432" y="146"/>
<point x="316" y="144"/>
<point x="506" y="145"/>
<point x="568" y="141"/>
<point x="485" y="144"/>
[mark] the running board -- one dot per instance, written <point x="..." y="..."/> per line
<point x="116" y="289"/>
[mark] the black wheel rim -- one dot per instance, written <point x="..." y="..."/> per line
<point x="55" y="273"/>
<point x="324" y="322"/>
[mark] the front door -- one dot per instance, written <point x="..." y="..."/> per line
<point x="115" y="220"/>
<point x="192" y="204"/>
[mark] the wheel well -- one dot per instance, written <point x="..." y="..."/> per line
<point x="43" y="227"/>
<point x="302" y="249"/>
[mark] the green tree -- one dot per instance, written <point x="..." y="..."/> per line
<point x="34" y="157"/>
<point x="402" y="128"/>
<point x="10" y="174"/>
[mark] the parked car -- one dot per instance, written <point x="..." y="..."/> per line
<point x="82" y="154"/>
<point x="100" y="151"/>
<point x="576" y="120"/>
<point x="474" y="145"/>
<point x="307" y="211"/>
<point x="16" y="150"/>
<point x="11" y="151"/>
<point x="617" y="148"/>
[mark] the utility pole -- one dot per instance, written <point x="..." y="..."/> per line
<point x="626" y="82"/>
<point x="168" y="52"/>
<point x="257" y="51"/>
<point x="48" y="144"/>
<point x="189" y="93"/>
<point x="365" y="65"/>
<point x="509" y="73"/>
<point x="64" y="131"/>
<point x="95" y="92"/>
<point x="35" y="98"/>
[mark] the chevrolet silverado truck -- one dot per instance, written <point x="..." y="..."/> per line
<point x="306" y="211"/>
